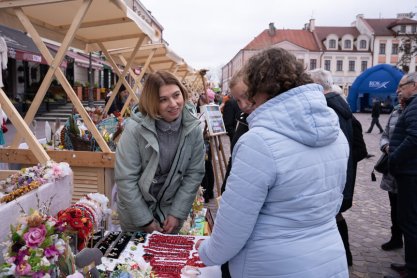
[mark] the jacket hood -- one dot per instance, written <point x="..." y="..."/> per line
<point x="300" y="114"/>
<point x="336" y="102"/>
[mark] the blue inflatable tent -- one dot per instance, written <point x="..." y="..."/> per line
<point x="378" y="83"/>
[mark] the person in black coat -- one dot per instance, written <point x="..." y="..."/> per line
<point x="231" y="113"/>
<point x="347" y="124"/>
<point x="376" y="111"/>
<point x="402" y="160"/>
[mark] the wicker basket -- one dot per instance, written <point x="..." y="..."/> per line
<point x="77" y="144"/>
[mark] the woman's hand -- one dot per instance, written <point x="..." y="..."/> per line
<point x="170" y="224"/>
<point x="154" y="226"/>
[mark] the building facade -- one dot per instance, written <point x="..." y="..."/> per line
<point x="344" y="51"/>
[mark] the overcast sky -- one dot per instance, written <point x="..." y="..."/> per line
<point x="207" y="34"/>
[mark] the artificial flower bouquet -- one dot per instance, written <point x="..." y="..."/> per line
<point x="85" y="216"/>
<point x="132" y="269"/>
<point x="31" y="178"/>
<point x="37" y="248"/>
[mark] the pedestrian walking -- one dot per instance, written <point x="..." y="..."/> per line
<point x="376" y="112"/>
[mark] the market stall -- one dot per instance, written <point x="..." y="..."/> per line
<point x="89" y="25"/>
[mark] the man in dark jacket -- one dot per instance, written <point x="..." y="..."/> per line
<point x="347" y="123"/>
<point x="376" y="111"/>
<point x="231" y="113"/>
<point x="403" y="166"/>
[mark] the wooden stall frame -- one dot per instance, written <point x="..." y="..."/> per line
<point x="218" y="160"/>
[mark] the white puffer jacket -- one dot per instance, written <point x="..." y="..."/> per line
<point x="277" y="215"/>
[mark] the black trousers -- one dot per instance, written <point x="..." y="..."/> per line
<point x="395" y="228"/>
<point x="375" y="121"/>
<point x="407" y="217"/>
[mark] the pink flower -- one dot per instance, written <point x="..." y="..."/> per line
<point x="35" y="236"/>
<point x="23" y="269"/>
<point x="51" y="252"/>
<point x="57" y="171"/>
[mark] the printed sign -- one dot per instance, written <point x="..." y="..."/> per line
<point x="214" y="119"/>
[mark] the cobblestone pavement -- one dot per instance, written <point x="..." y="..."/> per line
<point x="369" y="218"/>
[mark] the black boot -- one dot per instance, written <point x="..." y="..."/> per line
<point x="396" y="241"/>
<point x="343" y="231"/>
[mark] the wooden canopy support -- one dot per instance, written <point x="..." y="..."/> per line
<point x="78" y="158"/>
<point x="83" y="24"/>
<point x="17" y="120"/>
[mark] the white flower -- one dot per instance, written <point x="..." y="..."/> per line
<point x="60" y="246"/>
<point x="45" y="262"/>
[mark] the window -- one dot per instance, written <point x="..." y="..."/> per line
<point x="313" y="64"/>
<point x="395" y="48"/>
<point x="348" y="44"/>
<point x="327" y="65"/>
<point x="402" y="28"/>
<point x="339" y="65"/>
<point x="382" y="48"/>
<point x="301" y="61"/>
<point x="414" y="29"/>
<point x="351" y="65"/>
<point x="362" y="44"/>
<point x="332" y="44"/>
<point x="364" y="65"/>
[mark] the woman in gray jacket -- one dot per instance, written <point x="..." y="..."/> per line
<point x="159" y="159"/>
<point x="388" y="182"/>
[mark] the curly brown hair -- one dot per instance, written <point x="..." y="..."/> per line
<point x="274" y="71"/>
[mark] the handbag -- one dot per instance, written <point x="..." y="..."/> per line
<point x="381" y="165"/>
<point x="4" y="127"/>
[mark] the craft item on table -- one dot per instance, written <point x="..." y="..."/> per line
<point x="105" y="244"/>
<point x="85" y="216"/>
<point x="194" y="225"/>
<point x="131" y="268"/>
<point x="119" y="246"/>
<point x="48" y="132"/>
<point x="139" y="237"/>
<point x="97" y="236"/>
<point x="37" y="248"/>
<point x="31" y="178"/>
<point x="87" y="260"/>
<point x="74" y="135"/>
<point x="168" y="254"/>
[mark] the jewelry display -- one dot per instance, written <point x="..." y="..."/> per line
<point x="104" y="245"/>
<point x="120" y="245"/>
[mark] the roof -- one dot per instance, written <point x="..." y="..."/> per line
<point x="302" y="38"/>
<point x="163" y="59"/>
<point x="382" y="26"/>
<point x="18" y="40"/>
<point x="109" y="22"/>
<point x="323" y="31"/>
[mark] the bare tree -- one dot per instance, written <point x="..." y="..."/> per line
<point x="407" y="48"/>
